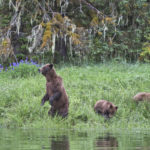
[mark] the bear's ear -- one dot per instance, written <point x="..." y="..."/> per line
<point x="51" y="66"/>
<point x="116" y="107"/>
<point x="111" y="106"/>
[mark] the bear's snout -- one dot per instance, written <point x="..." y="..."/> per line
<point x="39" y="70"/>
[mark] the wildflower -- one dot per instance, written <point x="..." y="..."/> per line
<point x="26" y="61"/>
<point x="14" y="64"/>
<point x="1" y="68"/>
<point x="37" y="65"/>
<point x="33" y="63"/>
<point x="21" y="61"/>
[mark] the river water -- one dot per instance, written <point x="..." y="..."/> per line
<point x="51" y="139"/>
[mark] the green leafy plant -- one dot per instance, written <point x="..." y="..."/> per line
<point x="145" y="54"/>
<point x="23" y="71"/>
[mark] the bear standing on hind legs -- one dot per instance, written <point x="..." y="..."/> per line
<point x="55" y="92"/>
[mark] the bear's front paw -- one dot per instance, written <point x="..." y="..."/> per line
<point x="51" y="100"/>
<point x="42" y="102"/>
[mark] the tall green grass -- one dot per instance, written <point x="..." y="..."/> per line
<point x="20" y="97"/>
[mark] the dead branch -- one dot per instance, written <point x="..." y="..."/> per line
<point x="93" y="8"/>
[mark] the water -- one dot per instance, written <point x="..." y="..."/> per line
<point x="40" y="139"/>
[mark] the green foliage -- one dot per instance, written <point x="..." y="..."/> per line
<point x="145" y="54"/>
<point x="100" y="51"/>
<point x="20" y="56"/>
<point x="23" y="71"/>
<point x="103" y="51"/>
<point x="119" y="32"/>
<point x="46" y="57"/>
<point x="118" y="83"/>
<point x="5" y="15"/>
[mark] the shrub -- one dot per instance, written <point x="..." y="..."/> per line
<point x="23" y="69"/>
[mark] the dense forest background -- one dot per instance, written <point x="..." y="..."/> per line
<point x="74" y="30"/>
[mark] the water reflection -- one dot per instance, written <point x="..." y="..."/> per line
<point x="73" y="140"/>
<point x="60" y="143"/>
<point x="106" y="143"/>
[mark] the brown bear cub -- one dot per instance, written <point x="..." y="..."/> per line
<point x="55" y="92"/>
<point x="105" y="108"/>
<point x="142" y="96"/>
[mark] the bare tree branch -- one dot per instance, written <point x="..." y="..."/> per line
<point x="93" y="8"/>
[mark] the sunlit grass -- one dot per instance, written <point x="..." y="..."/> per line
<point x="20" y="97"/>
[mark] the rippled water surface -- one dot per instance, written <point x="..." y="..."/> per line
<point x="37" y="139"/>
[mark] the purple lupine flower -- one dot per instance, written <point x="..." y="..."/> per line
<point x="37" y="65"/>
<point x="31" y="61"/>
<point x="6" y="69"/>
<point x="14" y="64"/>
<point x="1" y="69"/>
<point x="17" y="64"/>
<point x="21" y="61"/>
<point x="26" y="61"/>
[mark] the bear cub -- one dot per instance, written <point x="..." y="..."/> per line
<point x="105" y="108"/>
<point x="55" y="92"/>
<point x="142" y="96"/>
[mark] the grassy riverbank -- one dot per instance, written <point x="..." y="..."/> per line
<point x="20" y="97"/>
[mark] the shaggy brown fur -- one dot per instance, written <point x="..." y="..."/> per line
<point x="55" y="92"/>
<point x="105" y="108"/>
<point x="142" y="96"/>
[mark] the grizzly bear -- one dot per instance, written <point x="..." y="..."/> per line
<point x="142" y="96"/>
<point x="55" y="92"/>
<point x="105" y="108"/>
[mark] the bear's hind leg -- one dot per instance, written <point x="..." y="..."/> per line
<point x="63" y="112"/>
<point x="52" y="112"/>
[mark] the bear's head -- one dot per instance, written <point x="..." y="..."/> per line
<point x="112" y="110"/>
<point x="48" y="71"/>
